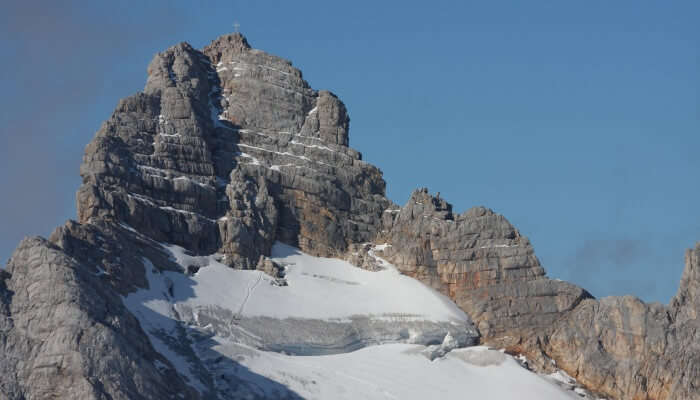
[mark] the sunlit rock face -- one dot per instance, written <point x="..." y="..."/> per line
<point x="228" y="149"/>
<point x="482" y="262"/>
<point x="629" y="349"/>
<point x="614" y="346"/>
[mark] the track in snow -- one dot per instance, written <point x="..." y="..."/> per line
<point x="249" y="292"/>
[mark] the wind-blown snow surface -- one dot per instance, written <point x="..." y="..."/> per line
<point x="335" y="331"/>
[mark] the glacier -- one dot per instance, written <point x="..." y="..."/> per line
<point x="328" y="329"/>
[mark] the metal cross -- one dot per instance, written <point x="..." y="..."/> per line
<point x="236" y="25"/>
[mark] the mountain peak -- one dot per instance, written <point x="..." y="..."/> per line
<point x="687" y="299"/>
<point x="232" y="43"/>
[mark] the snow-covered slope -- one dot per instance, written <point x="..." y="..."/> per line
<point x="334" y="331"/>
<point x="399" y="371"/>
<point x="346" y="290"/>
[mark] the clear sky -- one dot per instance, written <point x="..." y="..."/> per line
<point x="577" y="120"/>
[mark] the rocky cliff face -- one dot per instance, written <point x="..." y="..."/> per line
<point x="639" y="351"/>
<point x="687" y="301"/>
<point x="617" y="346"/>
<point x="228" y="150"/>
<point x="482" y="262"/>
<point x="66" y="334"/>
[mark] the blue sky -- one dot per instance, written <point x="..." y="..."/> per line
<point x="576" y="120"/>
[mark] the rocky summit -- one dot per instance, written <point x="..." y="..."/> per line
<point x="228" y="161"/>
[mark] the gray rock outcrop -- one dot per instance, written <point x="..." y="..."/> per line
<point x="229" y="149"/>
<point x="64" y="334"/>
<point x="482" y="262"/>
<point x="631" y="350"/>
<point x="619" y="347"/>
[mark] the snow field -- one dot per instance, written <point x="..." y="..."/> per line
<point x="214" y="326"/>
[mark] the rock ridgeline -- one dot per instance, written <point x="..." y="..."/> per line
<point x="482" y="262"/>
<point x="228" y="150"/>
<point x="619" y="347"/>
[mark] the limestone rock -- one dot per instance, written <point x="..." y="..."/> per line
<point x="482" y="262"/>
<point x="247" y="230"/>
<point x="619" y="347"/>
<point x="151" y="164"/>
<point x="65" y="334"/>
<point x="213" y="130"/>
<point x="627" y="349"/>
<point x="686" y="303"/>
<point x="271" y="268"/>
